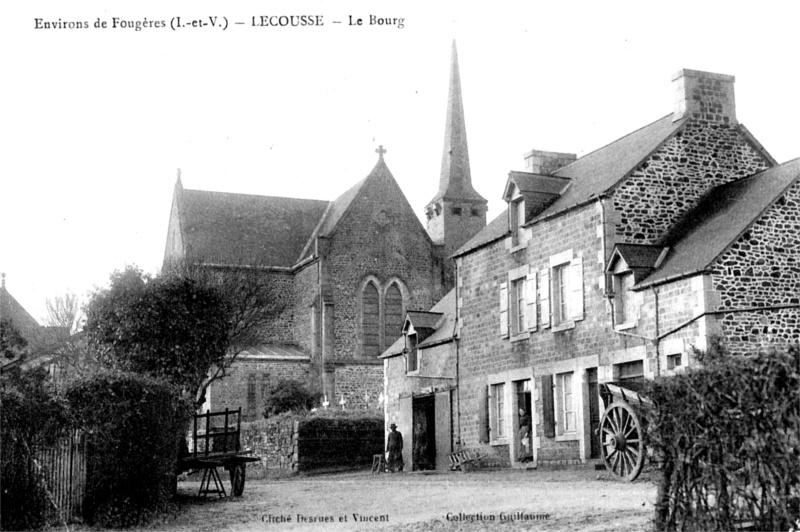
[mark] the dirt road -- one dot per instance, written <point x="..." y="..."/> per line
<point x="549" y="499"/>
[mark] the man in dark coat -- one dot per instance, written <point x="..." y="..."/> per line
<point x="394" y="447"/>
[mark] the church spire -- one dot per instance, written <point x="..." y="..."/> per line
<point x="455" y="181"/>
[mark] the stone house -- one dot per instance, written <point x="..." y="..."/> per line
<point x="613" y="267"/>
<point x="346" y="271"/>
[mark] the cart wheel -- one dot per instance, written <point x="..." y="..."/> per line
<point x="622" y="445"/>
<point x="237" y="479"/>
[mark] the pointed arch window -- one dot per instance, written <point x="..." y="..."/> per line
<point x="370" y="320"/>
<point x="392" y="315"/>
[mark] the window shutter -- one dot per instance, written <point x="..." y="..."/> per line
<point x="576" y="289"/>
<point x="504" y="310"/>
<point x="483" y="414"/>
<point x="530" y="301"/>
<point x="544" y="296"/>
<point x="548" y="410"/>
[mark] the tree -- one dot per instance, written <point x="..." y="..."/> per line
<point x="63" y="311"/>
<point x="12" y="343"/>
<point x="186" y="325"/>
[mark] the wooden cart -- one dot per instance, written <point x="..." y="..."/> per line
<point x="216" y="445"/>
<point x="622" y="430"/>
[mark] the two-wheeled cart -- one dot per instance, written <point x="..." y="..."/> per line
<point x="216" y="444"/>
<point x="623" y="430"/>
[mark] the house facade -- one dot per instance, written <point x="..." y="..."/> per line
<point x="613" y="267"/>
<point x="345" y="271"/>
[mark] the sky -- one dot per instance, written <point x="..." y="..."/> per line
<point x="96" y="122"/>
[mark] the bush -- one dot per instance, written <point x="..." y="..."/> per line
<point x="289" y="396"/>
<point x="29" y="415"/>
<point x="728" y="436"/>
<point x="135" y="424"/>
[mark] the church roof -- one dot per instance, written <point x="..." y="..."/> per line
<point x="11" y="309"/>
<point x="719" y="220"/>
<point x="221" y="227"/>
<point x="455" y="181"/>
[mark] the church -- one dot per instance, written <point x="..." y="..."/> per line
<point x="347" y="270"/>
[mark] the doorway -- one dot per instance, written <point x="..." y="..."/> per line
<point x="594" y="413"/>
<point x="423" y="447"/>
<point x="524" y="435"/>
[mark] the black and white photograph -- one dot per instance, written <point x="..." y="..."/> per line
<point x="399" y="266"/>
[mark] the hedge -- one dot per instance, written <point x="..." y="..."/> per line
<point x="728" y="439"/>
<point x="135" y="424"/>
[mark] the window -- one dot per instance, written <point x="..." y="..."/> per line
<point x="475" y="211"/>
<point x="561" y="292"/>
<point x="674" y="361"/>
<point x="251" y="396"/>
<point x="499" y="411"/>
<point x="625" y="311"/>
<point x="629" y="370"/>
<point x="518" y="304"/>
<point x="412" y="356"/>
<point x="381" y="319"/>
<point x="516" y="219"/>
<point x="392" y="315"/>
<point x="565" y="403"/>
<point x="370" y="320"/>
<point x="456" y="211"/>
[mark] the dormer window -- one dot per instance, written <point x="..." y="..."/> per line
<point x="516" y="219"/>
<point x="412" y="355"/>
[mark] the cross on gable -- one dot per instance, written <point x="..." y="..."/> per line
<point x="380" y="151"/>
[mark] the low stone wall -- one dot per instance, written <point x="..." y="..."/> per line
<point x="294" y="443"/>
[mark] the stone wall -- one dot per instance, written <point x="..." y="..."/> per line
<point x="235" y="390"/>
<point x="762" y="269"/>
<point x="353" y="381"/>
<point x="296" y="443"/>
<point x="399" y="248"/>
<point x="674" y="178"/>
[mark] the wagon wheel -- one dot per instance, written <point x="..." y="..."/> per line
<point x="237" y="479"/>
<point x="621" y="441"/>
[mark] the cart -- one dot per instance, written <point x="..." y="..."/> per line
<point x="622" y="429"/>
<point x="216" y="445"/>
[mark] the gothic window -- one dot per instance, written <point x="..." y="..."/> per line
<point x="392" y="315"/>
<point x="370" y="321"/>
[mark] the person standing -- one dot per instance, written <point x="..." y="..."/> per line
<point x="394" y="448"/>
<point x="524" y="435"/>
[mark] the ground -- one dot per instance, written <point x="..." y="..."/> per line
<point x="577" y="498"/>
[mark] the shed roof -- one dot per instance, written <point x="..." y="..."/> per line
<point x="720" y="218"/>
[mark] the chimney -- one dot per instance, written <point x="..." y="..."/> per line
<point x="547" y="162"/>
<point x="704" y="96"/>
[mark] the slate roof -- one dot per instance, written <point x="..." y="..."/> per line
<point x="497" y="228"/>
<point x="275" y="352"/>
<point x="11" y="309"/>
<point x="444" y="332"/>
<point x="639" y="255"/>
<point x="423" y="320"/>
<point x="220" y="227"/>
<point x="719" y="220"/>
<point x="591" y="175"/>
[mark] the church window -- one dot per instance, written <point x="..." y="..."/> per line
<point x="251" y="396"/>
<point x="456" y="211"/>
<point x="392" y="315"/>
<point x="475" y="211"/>
<point x="370" y="321"/>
